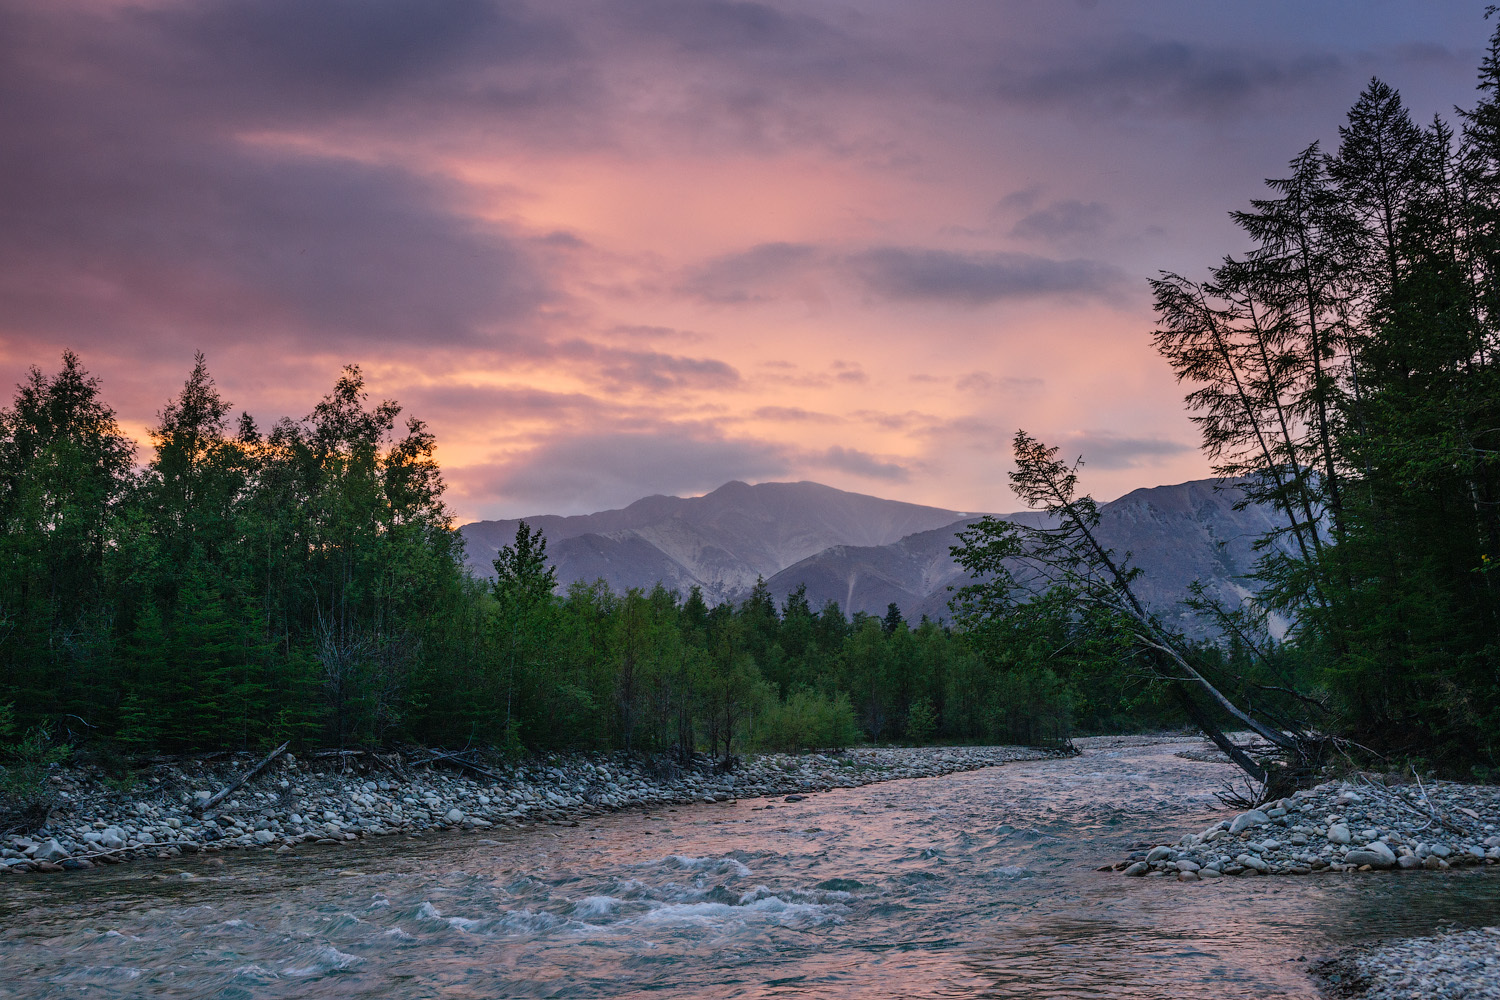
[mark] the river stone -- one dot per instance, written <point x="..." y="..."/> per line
<point x="1339" y="834"/>
<point x="1410" y="861"/>
<point x="1187" y="876"/>
<point x="49" y="851"/>
<point x="1209" y="873"/>
<point x="1184" y="865"/>
<point x="1246" y="820"/>
<point x="1160" y="854"/>
<point x="1361" y="856"/>
<point x="454" y="815"/>
<point x="264" y="836"/>
<point x="1251" y="861"/>
<point x="1382" y="850"/>
<point x="1137" y="869"/>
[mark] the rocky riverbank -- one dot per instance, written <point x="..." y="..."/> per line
<point x="1362" y="825"/>
<point x="343" y="798"/>
<point x="1460" y="965"/>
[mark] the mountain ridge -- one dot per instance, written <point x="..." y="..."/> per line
<point x="866" y="552"/>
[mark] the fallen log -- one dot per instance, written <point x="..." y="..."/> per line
<point x="458" y="760"/>
<point x="200" y="808"/>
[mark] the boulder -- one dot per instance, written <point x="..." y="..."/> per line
<point x="1246" y="820"/>
<point x="1361" y="856"/>
<point x="1338" y="833"/>
<point x="51" y="850"/>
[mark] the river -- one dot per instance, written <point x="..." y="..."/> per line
<point x="980" y="884"/>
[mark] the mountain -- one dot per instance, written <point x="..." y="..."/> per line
<point x="865" y="552"/>
<point x="721" y="541"/>
<point x="1176" y="534"/>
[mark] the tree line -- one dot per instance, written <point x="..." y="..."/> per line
<point x="242" y="586"/>
<point x="1344" y="372"/>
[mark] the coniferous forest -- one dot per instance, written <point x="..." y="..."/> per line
<point x="239" y="586"/>
<point x="233" y="585"/>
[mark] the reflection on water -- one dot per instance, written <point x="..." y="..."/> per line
<point x="977" y="884"/>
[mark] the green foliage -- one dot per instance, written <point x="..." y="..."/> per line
<point x="921" y="721"/>
<point x="1345" y="370"/>
<point x="25" y="794"/>
<point x="807" y="720"/>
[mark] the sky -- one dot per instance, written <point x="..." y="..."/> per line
<point x="617" y="248"/>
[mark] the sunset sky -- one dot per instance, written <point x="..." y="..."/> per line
<point x="608" y="249"/>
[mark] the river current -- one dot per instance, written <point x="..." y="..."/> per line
<point x="980" y="884"/>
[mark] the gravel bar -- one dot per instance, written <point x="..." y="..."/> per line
<point x="1459" y="965"/>
<point x="1344" y="826"/>
<point x="337" y="799"/>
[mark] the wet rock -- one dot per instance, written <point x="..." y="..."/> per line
<point x="1246" y="820"/>
<point x="51" y="850"/>
<point x="1361" y="857"/>
<point x="1138" y="869"/>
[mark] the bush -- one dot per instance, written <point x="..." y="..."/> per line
<point x="921" y="721"/>
<point x="807" y="720"/>
<point x="25" y="794"/>
<point x="1031" y="708"/>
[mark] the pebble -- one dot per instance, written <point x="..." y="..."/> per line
<point x="1460" y="965"/>
<point x="1436" y="826"/>
<point x="333" y="801"/>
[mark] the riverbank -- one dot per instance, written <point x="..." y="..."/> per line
<point x="1345" y="826"/>
<point x="1459" y="965"/>
<point x="342" y="798"/>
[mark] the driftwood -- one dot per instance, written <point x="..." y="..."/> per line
<point x="202" y="807"/>
<point x="393" y="765"/>
<point x="456" y="758"/>
<point x="1431" y="813"/>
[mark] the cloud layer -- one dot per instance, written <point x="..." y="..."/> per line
<point x="618" y="248"/>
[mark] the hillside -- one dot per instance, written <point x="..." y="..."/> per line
<point x="866" y="552"/>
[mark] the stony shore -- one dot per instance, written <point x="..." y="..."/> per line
<point x="1339" y="827"/>
<point x="1352" y="827"/>
<point x="1460" y="965"/>
<point x="327" y="800"/>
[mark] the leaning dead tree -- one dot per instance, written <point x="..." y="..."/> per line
<point x="1067" y="558"/>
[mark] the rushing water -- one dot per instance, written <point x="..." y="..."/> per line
<point x="971" y="885"/>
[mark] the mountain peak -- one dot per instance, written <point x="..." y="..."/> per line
<point x="865" y="552"/>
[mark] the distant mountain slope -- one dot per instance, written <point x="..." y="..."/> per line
<point x="722" y="541"/>
<point x="865" y="552"/>
<point x="1176" y="534"/>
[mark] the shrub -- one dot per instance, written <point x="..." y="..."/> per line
<point x="807" y="720"/>
<point x="921" y="721"/>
